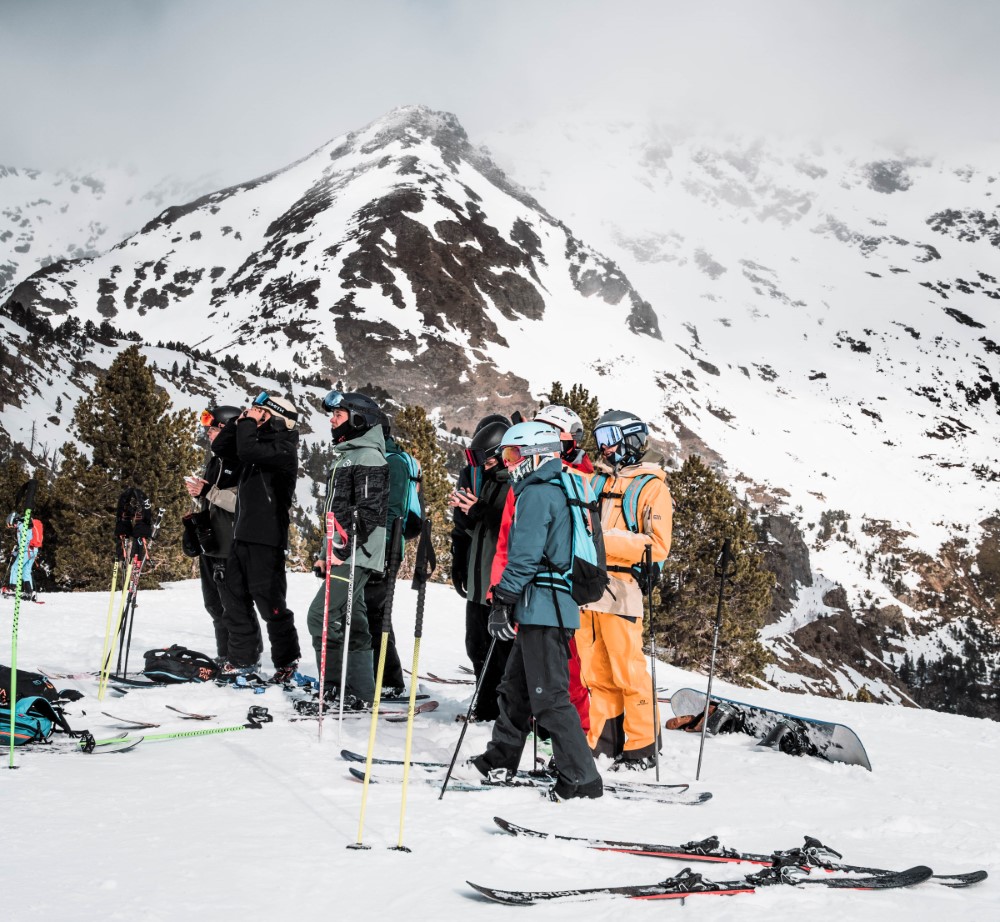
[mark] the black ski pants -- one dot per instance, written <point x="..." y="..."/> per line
<point x="213" y="575"/>
<point x="477" y="645"/>
<point x="376" y="590"/>
<point x="536" y="682"/>
<point x="255" y="576"/>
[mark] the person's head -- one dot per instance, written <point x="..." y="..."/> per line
<point x="12" y="520"/>
<point x="352" y="414"/>
<point x="569" y="426"/>
<point x="216" y="418"/>
<point x="525" y="447"/>
<point x="621" y="437"/>
<point x="484" y="449"/>
<point x="279" y="411"/>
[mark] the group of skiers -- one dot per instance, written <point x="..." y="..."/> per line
<point x="541" y="662"/>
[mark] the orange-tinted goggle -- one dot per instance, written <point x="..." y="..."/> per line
<point x="207" y="418"/>
<point x="511" y="455"/>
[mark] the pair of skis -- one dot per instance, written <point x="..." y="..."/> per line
<point x="783" y="867"/>
<point x="540" y="781"/>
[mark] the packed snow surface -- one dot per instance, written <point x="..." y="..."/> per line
<point x="258" y="822"/>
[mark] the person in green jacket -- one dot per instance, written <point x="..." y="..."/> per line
<point x="358" y="479"/>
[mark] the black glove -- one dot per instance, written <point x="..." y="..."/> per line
<point x="318" y="571"/>
<point x="500" y="625"/>
<point x="458" y="573"/>
<point x="648" y="578"/>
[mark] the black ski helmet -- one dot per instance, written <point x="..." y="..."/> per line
<point x="223" y="415"/>
<point x="363" y="412"/>
<point x="619" y="427"/>
<point x="486" y="442"/>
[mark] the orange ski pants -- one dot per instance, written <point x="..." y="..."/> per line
<point x="621" y="691"/>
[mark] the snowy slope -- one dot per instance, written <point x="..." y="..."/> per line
<point x="258" y="822"/>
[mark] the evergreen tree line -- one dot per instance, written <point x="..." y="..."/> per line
<point x="135" y="439"/>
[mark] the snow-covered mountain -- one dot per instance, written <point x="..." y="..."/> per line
<point x="821" y="325"/>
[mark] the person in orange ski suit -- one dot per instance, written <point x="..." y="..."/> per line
<point x="636" y="512"/>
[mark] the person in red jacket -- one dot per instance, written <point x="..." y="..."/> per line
<point x="570" y="428"/>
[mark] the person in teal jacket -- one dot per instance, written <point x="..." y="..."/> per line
<point x="536" y="680"/>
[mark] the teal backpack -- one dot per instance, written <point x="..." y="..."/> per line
<point x="413" y="507"/>
<point x="34" y="721"/>
<point x="587" y="577"/>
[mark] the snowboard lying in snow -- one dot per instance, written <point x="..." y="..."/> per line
<point x="788" y="733"/>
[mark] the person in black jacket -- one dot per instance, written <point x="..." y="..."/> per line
<point x="265" y="442"/>
<point x="478" y="503"/>
<point x="215" y="491"/>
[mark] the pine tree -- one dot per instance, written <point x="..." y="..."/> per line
<point x="706" y="513"/>
<point x="415" y="433"/>
<point x="586" y="407"/>
<point x="134" y="440"/>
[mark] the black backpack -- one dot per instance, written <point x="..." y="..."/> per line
<point x="179" y="664"/>
<point x="29" y="685"/>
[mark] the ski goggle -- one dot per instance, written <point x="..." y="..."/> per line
<point x="511" y="455"/>
<point x="333" y="401"/>
<point x="263" y="400"/>
<point x="477" y="457"/>
<point x="207" y="419"/>
<point x="606" y="436"/>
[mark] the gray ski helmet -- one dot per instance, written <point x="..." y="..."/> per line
<point x="485" y="443"/>
<point x="362" y="411"/>
<point x="223" y="415"/>
<point x="625" y="430"/>
<point x="12" y="520"/>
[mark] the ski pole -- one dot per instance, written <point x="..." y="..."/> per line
<point x="347" y="620"/>
<point x="726" y="559"/>
<point x="256" y="718"/>
<point x="25" y="500"/>
<point x="111" y="608"/>
<point x="395" y="559"/>
<point x="652" y="656"/>
<point x="468" y="716"/>
<point x="331" y="528"/>
<point x="425" y="565"/>
<point x="131" y="612"/>
<point x="102" y="685"/>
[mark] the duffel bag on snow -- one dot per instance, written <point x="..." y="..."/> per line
<point x="29" y="684"/>
<point x="34" y="720"/>
<point x="179" y="664"/>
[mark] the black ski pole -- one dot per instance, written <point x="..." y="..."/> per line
<point x="468" y="715"/>
<point x="130" y="611"/>
<point x="652" y="657"/>
<point x="726" y="559"/>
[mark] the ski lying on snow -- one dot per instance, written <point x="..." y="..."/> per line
<point x="538" y="777"/>
<point x="129" y="723"/>
<point x="812" y="855"/>
<point x="393" y="715"/>
<point x="619" y="791"/>
<point x="688" y="884"/>
<point x="440" y="680"/>
<point x="187" y="715"/>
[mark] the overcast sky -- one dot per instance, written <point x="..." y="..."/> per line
<point x="245" y="86"/>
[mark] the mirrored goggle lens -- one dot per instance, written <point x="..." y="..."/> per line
<point x="608" y="435"/>
<point x="511" y="455"/>
<point x="262" y="398"/>
<point x="206" y="418"/>
<point x="332" y="400"/>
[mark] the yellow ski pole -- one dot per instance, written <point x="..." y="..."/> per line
<point x="102" y="686"/>
<point x="107" y="627"/>
<point x="425" y="565"/>
<point x="395" y="559"/>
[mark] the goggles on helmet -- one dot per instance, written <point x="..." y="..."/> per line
<point x="477" y="457"/>
<point x="263" y="400"/>
<point x="511" y="455"/>
<point x="333" y="401"/>
<point x="207" y="419"/>
<point x="607" y="436"/>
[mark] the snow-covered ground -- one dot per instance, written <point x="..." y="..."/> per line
<point x="258" y="822"/>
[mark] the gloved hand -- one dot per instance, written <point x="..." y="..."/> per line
<point x="500" y="625"/>
<point x="319" y="569"/>
<point x="647" y="577"/>
<point x="458" y="574"/>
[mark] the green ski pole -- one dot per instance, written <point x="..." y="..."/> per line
<point x="256" y="718"/>
<point x="25" y="500"/>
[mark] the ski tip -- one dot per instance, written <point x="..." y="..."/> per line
<point x="500" y="896"/>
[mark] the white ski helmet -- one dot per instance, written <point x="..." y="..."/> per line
<point x="525" y="447"/>
<point x="564" y="419"/>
